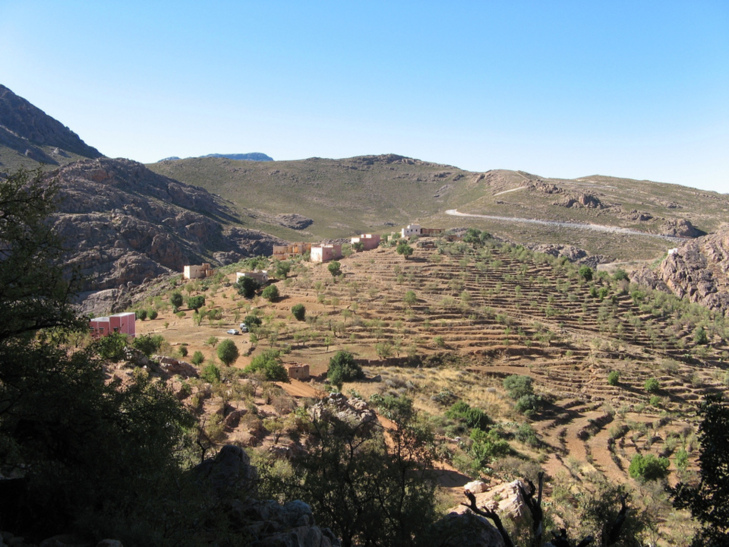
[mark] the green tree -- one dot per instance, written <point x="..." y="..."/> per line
<point x="517" y="386"/>
<point x="252" y="322"/>
<point x="343" y="368"/>
<point x="652" y="385"/>
<point x="298" y="311"/>
<point x="227" y="352"/>
<point x="176" y="300"/>
<point x="648" y="467"/>
<point x="197" y="358"/>
<point x="283" y="268"/>
<point x="405" y="250"/>
<point x="700" y="336"/>
<point x="141" y="314"/>
<point x="111" y="347"/>
<point x="335" y="268"/>
<point x="353" y="479"/>
<point x="270" y="293"/>
<point x="269" y="364"/>
<point x="707" y="499"/>
<point x="410" y="298"/>
<point x="148" y="344"/>
<point x="585" y="273"/>
<point x="195" y="302"/>
<point x="210" y="373"/>
<point x="247" y="287"/>
<point x="614" y="378"/>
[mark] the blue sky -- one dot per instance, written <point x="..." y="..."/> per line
<point x="561" y="89"/>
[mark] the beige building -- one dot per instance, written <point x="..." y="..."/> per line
<point x="261" y="277"/>
<point x="369" y="241"/>
<point x="197" y="272"/>
<point x="282" y="252"/>
<point x="325" y="253"/>
<point x="297" y="371"/>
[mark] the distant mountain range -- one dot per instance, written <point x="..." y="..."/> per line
<point x="127" y="223"/>
<point x="252" y="156"/>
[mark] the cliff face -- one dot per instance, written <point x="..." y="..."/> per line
<point x="123" y="224"/>
<point x="697" y="270"/>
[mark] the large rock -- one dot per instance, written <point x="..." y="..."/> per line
<point x="230" y="471"/>
<point x="460" y="529"/>
<point x="354" y="411"/>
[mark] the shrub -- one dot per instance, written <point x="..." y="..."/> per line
<point x="404" y="249"/>
<point x="141" y="314"/>
<point x="270" y="293"/>
<point x="210" y="373"/>
<point x="299" y="312"/>
<point x="215" y="314"/>
<point x="700" y="336"/>
<point x="652" y="385"/>
<point x="212" y="341"/>
<point x="269" y="364"/>
<point x="197" y="358"/>
<point x="335" y="268"/>
<point x="252" y="321"/>
<point x="152" y="314"/>
<point x="472" y="417"/>
<point x="620" y="275"/>
<point x="111" y="347"/>
<point x="517" y="386"/>
<point x="487" y="447"/>
<point x="527" y="435"/>
<point x="655" y="401"/>
<point x="227" y="352"/>
<point x="614" y="378"/>
<point x="176" y="300"/>
<point x="439" y="341"/>
<point x="247" y="287"/>
<point x="410" y="298"/>
<point x="343" y="368"/>
<point x="528" y="403"/>
<point x="648" y="467"/>
<point x="148" y="344"/>
<point x="183" y="351"/>
<point x="585" y="273"/>
<point x="682" y="459"/>
<point x="195" y="302"/>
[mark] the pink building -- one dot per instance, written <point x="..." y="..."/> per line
<point x="369" y="241"/>
<point x="325" y="253"/>
<point x="124" y="323"/>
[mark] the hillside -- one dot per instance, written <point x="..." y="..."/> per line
<point x="450" y="324"/>
<point x="29" y="137"/>
<point x="621" y="219"/>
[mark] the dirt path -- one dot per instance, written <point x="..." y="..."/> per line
<point x="575" y="225"/>
<point x="512" y="190"/>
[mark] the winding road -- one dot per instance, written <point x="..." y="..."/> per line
<point x="576" y="225"/>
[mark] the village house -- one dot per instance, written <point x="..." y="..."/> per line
<point x="197" y="272"/>
<point x="282" y="252"/>
<point x="124" y="323"/>
<point x="297" y="371"/>
<point x="412" y="230"/>
<point x="261" y="276"/>
<point x="325" y="253"/>
<point x="368" y="241"/>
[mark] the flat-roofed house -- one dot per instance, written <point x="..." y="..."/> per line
<point x="325" y="253"/>
<point x="197" y="272"/>
<point x="125" y="323"/>
<point x="368" y="241"/>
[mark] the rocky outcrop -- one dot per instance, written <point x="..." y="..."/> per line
<point x="124" y="224"/>
<point x="697" y="270"/>
<point x="680" y="227"/>
<point x="294" y="221"/>
<point x="25" y="128"/>
<point x="352" y="411"/>
<point x="571" y="253"/>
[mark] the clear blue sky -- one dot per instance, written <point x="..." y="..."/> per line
<point x="635" y="89"/>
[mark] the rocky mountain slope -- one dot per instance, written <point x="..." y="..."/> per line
<point x="28" y="136"/>
<point x="125" y="224"/>
<point x="697" y="270"/>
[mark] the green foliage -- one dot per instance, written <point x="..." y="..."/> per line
<point x="682" y="459"/>
<point x="517" y="386"/>
<point x="528" y="404"/>
<point x="270" y="293"/>
<point x="470" y="416"/>
<point x="111" y="347"/>
<point x="195" y="302"/>
<point x="343" y="368"/>
<point x="141" y="314"/>
<point x="335" y="268"/>
<point x="707" y="499"/>
<point x="210" y="373"/>
<point x="652" y="385"/>
<point x="247" y="287"/>
<point x="152" y="314"/>
<point x="410" y="298"/>
<point x="486" y="447"/>
<point x="148" y="344"/>
<point x="585" y="273"/>
<point x="212" y="341"/>
<point x="648" y="467"/>
<point x="228" y="352"/>
<point x="176" y="300"/>
<point x="183" y="351"/>
<point x="269" y="364"/>
<point x="404" y="249"/>
<point x="283" y="268"/>
<point x="614" y="378"/>
<point x="299" y="312"/>
<point x="252" y="322"/>
<point x="700" y="336"/>
<point x="475" y="236"/>
<point x="358" y="246"/>
<point x="197" y="358"/>
<point x="620" y="275"/>
<point x="215" y="314"/>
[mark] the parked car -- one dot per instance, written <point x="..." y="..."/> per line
<point x="232" y="331"/>
<point x="243" y="327"/>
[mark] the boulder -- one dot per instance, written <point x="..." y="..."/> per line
<point x="229" y="471"/>
<point x="460" y="529"/>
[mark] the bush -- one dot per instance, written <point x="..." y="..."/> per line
<point x="620" y="275"/>
<point x="614" y="378"/>
<point x="700" y="336"/>
<point x="197" y="358"/>
<point x="252" y="321"/>
<point x="517" y="386"/>
<point x="210" y="373"/>
<point x="152" y="314"/>
<point x="212" y="341"/>
<point x="228" y="352"/>
<point x="269" y="364"/>
<point x="487" y="447"/>
<point x="148" y="344"/>
<point x="176" y="300"/>
<point x="195" y="302"/>
<point x="141" y="314"/>
<point x="410" y="298"/>
<point x="585" y="273"/>
<point x="183" y="351"/>
<point x="299" y="312"/>
<point x="270" y="293"/>
<point x="405" y="250"/>
<point x="111" y="347"/>
<point x="648" y="467"/>
<point x="652" y="385"/>
<point x="247" y="287"/>
<point x="472" y="417"/>
<point x="335" y="268"/>
<point x="528" y="403"/>
<point x="342" y="368"/>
